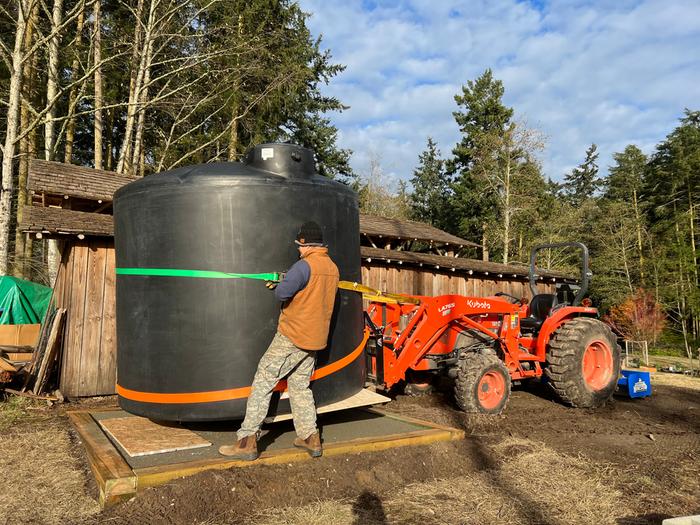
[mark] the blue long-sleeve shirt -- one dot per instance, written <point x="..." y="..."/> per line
<point x="296" y="280"/>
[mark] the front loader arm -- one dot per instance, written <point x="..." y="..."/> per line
<point x="429" y="322"/>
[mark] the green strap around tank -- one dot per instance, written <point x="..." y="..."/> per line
<point x="202" y="274"/>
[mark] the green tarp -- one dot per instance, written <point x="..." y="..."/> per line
<point x="22" y="302"/>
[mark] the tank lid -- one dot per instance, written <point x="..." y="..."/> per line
<point x="287" y="160"/>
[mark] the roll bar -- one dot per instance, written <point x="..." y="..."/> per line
<point x="586" y="274"/>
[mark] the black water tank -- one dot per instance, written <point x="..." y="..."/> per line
<point x="188" y="346"/>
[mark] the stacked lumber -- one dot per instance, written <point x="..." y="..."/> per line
<point x="35" y="364"/>
<point x="47" y="355"/>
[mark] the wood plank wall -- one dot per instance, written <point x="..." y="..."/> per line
<point x="415" y="281"/>
<point x="85" y="286"/>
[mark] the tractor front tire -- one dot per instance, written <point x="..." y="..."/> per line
<point x="583" y="360"/>
<point x="482" y="384"/>
<point x="417" y="389"/>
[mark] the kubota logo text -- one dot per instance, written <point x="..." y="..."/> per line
<point x="478" y="304"/>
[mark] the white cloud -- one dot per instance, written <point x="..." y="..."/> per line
<point x="612" y="73"/>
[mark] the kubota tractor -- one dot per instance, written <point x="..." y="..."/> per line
<point x="486" y="343"/>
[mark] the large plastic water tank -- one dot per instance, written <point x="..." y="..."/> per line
<point x="188" y="341"/>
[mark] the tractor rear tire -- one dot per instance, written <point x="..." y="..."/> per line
<point x="482" y="384"/>
<point x="583" y="360"/>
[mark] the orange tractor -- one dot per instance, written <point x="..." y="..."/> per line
<point x="486" y="343"/>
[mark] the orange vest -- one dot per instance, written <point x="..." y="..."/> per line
<point x="306" y="318"/>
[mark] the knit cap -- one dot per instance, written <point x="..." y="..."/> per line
<point x="310" y="234"/>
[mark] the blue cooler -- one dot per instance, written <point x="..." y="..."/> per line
<point x="634" y="383"/>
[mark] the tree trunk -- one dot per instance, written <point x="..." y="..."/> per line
<point x="136" y="85"/>
<point x="143" y="100"/>
<point x="49" y="126"/>
<point x="520" y="247"/>
<point x="52" y="81"/>
<point x="233" y="136"/>
<point x="29" y="246"/>
<point x="484" y="244"/>
<point x="640" y="247"/>
<point x="99" y="102"/>
<point x="73" y="96"/>
<point x="26" y="147"/>
<point x="691" y="213"/>
<point x="12" y="123"/>
<point x="110" y="139"/>
<point x="623" y="252"/>
<point x="506" y="211"/>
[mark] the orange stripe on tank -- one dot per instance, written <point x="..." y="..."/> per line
<point x="234" y="393"/>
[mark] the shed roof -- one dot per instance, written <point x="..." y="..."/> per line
<point x="57" y="221"/>
<point x="403" y="229"/>
<point x="57" y="178"/>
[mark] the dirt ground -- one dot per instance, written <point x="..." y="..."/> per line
<point x="630" y="462"/>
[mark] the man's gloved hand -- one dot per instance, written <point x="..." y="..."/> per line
<point x="271" y="285"/>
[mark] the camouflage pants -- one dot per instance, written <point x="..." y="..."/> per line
<point x="282" y="359"/>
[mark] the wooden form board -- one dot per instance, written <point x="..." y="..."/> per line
<point x="115" y="479"/>
<point x="139" y="436"/>
<point x="118" y="482"/>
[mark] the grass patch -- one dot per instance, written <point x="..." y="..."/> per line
<point x="13" y="410"/>
<point x="677" y="380"/>
<point x="42" y="481"/>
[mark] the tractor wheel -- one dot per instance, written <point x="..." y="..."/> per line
<point x="482" y="383"/>
<point x="418" y="383"/>
<point x="417" y="389"/>
<point x="583" y="362"/>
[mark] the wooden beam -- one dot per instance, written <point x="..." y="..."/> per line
<point x="115" y="479"/>
<point x="30" y="395"/>
<point x="6" y="365"/>
<point x="152" y="476"/>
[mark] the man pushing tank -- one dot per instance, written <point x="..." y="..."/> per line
<point x="307" y="292"/>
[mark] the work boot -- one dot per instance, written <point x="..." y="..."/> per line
<point x="245" y="449"/>
<point x="311" y="444"/>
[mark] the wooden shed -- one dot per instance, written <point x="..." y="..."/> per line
<point x="74" y="205"/>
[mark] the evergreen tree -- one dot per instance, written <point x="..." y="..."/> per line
<point x="625" y="178"/>
<point x="672" y="189"/>
<point x="482" y="118"/>
<point x="482" y="112"/>
<point x="624" y="183"/>
<point x="583" y="181"/>
<point x="431" y="192"/>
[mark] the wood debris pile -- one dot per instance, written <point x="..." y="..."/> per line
<point x="31" y="368"/>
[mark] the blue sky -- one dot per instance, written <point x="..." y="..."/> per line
<point x="611" y="72"/>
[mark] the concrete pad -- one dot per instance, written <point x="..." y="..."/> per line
<point x="335" y="427"/>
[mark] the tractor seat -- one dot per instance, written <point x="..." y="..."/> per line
<point x="540" y="307"/>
